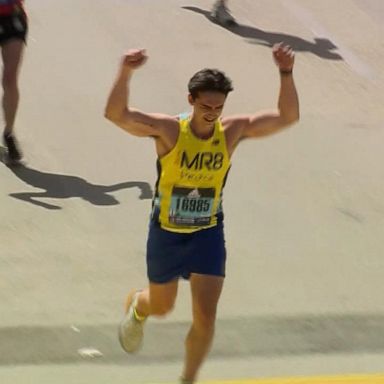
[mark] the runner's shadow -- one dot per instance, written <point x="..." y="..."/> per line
<point x="321" y="47"/>
<point x="58" y="186"/>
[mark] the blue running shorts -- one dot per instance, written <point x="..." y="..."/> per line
<point x="172" y="255"/>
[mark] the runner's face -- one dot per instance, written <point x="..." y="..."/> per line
<point x="208" y="106"/>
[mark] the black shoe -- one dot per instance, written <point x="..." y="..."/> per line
<point x="14" y="153"/>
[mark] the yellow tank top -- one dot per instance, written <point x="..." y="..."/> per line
<point x="190" y="180"/>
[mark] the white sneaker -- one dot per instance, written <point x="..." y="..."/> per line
<point x="131" y="330"/>
<point x="222" y="15"/>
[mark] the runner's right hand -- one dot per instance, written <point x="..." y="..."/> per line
<point x="134" y="59"/>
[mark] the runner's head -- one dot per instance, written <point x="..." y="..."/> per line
<point x="208" y="90"/>
<point x="209" y="80"/>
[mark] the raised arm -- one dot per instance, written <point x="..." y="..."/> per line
<point x="118" y="110"/>
<point x="269" y="122"/>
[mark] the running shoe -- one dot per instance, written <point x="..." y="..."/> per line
<point x="13" y="151"/>
<point x="131" y="330"/>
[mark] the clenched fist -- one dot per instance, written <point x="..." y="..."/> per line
<point x="134" y="59"/>
<point x="284" y="57"/>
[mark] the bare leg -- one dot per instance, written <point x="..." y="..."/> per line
<point x="206" y="292"/>
<point x="157" y="299"/>
<point x="12" y="53"/>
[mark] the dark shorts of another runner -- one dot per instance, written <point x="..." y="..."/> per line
<point x="173" y="255"/>
<point x="13" y="27"/>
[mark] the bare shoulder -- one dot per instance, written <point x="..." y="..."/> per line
<point x="233" y="129"/>
<point x="142" y="124"/>
<point x="160" y="120"/>
<point x="170" y="126"/>
<point x="234" y="122"/>
<point x="167" y="121"/>
<point x="169" y="133"/>
<point x="258" y="125"/>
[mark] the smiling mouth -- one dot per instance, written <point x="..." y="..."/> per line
<point x="209" y="120"/>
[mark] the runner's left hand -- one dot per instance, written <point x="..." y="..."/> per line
<point x="284" y="56"/>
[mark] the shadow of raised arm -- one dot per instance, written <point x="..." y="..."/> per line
<point x="57" y="186"/>
<point x="321" y="47"/>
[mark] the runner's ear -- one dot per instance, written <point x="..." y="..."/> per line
<point x="190" y="99"/>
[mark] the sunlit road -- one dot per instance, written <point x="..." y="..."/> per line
<point x="304" y="208"/>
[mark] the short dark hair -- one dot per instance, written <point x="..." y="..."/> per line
<point x="209" y="80"/>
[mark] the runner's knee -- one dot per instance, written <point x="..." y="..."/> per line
<point x="204" y="319"/>
<point x="161" y="308"/>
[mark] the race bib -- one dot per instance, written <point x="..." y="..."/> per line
<point x="191" y="206"/>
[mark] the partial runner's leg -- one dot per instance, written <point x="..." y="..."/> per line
<point x="156" y="300"/>
<point x="12" y="53"/>
<point x="206" y="292"/>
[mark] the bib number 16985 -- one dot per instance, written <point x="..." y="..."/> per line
<point x="192" y="205"/>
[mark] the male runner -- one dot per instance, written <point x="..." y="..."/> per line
<point x="221" y="14"/>
<point x="13" y="32"/>
<point x="186" y="229"/>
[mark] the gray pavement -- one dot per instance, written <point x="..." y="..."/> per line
<point x="304" y="209"/>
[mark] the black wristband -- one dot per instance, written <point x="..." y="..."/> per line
<point x="285" y="72"/>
